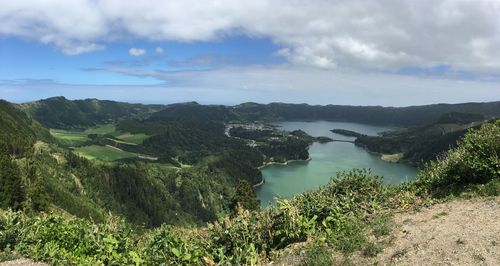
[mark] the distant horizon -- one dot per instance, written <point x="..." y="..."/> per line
<point x="240" y="103"/>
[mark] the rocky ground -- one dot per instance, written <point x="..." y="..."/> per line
<point x="458" y="232"/>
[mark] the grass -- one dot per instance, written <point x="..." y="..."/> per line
<point x="372" y="249"/>
<point x="132" y="138"/>
<point x="104" y="153"/>
<point x="439" y="214"/>
<point x="82" y="136"/>
<point x="317" y="255"/>
<point x="69" y="135"/>
<point x="101" y="130"/>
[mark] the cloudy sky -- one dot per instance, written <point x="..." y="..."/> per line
<point x="358" y="52"/>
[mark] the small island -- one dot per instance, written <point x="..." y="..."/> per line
<point x="347" y="133"/>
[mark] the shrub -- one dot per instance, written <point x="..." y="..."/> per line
<point x="474" y="161"/>
<point x="165" y="247"/>
<point x="68" y="241"/>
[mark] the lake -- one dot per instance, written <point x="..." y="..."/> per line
<point x="326" y="160"/>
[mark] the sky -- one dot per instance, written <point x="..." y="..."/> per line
<point x="357" y="52"/>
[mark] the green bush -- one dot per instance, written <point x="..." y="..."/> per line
<point x="242" y="239"/>
<point x="474" y="161"/>
<point x="64" y="241"/>
<point x="165" y="247"/>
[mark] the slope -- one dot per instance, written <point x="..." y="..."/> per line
<point x="59" y="112"/>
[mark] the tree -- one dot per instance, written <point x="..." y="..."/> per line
<point x="11" y="188"/>
<point x="244" y="197"/>
<point x="37" y="198"/>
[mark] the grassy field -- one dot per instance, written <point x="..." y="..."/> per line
<point x="81" y="136"/>
<point x="132" y="138"/>
<point x="101" y="130"/>
<point x="69" y="135"/>
<point x="104" y="153"/>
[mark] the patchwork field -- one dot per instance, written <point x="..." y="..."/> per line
<point x="110" y="129"/>
<point x="104" y="153"/>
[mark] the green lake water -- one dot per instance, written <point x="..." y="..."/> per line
<point x="326" y="160"/>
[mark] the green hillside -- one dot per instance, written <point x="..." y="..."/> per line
<point x="59" y="112"/>
<point x="377" y="115"/>
<point x="351" y="214"/>
<point x="421" y="144"/>
<point x="18" y="131"/>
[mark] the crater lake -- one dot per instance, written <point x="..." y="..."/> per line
<point x="326" y="159"/>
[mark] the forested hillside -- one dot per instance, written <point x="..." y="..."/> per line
<point x="18" y="131"/>
<point x="59" y="112"/>
<point x="350" y="215"/>
<point x="174" y="166"/>
<point x="418" y="145"/>
<point x="378" y="115"/>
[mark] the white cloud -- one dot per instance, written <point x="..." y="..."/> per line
<point x="82" y="48"/>
<point x="378" y="34"/>
<point x="159" y="50"/>
<point x="312" y="85"/>
<point x="136" y="52"/>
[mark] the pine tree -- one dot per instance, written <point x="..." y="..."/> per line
<point x="11" y="188"/>
<point x="244" y="197"/>
<point x="37" y="198"/>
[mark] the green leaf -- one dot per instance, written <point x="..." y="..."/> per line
<point x="176" y="252"/>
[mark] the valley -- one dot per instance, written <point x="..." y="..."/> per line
<point x="186" y="166"/>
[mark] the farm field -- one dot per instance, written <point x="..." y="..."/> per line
<point x="72" y="136"/>
<point x="104" y="153"/>
<point x="82" y="136"/>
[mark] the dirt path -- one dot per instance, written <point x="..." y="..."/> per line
<point x="460" y="232"/>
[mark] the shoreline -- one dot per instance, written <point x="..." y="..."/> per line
<point x="277" y="163"/>
<point x="283" y="163"/>
<point x="260" y="183"/>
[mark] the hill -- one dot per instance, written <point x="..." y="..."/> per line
<point x="19" y="131"/>
<point x="59" y="112"/>
<point x="421" y="144"/>
<point x="377" y="115"/>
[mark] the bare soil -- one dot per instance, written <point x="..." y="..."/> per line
<point x="23" y="262"/>
<point x="459" y="232"/>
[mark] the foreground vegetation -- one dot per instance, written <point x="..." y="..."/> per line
<point x="348" y="214"/>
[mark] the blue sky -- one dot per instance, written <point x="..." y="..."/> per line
<point x="320" y="52"/>
<point x="30" y="60"/>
